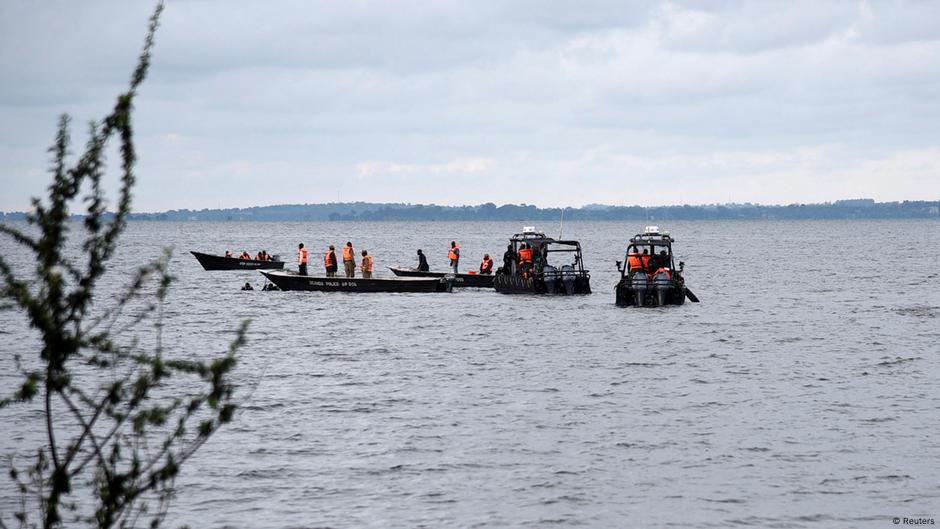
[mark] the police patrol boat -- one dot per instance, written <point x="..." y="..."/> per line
<point x="542" y="265"/>
<point x="648" y="276"/>
<point x="289" y="280"/>
<point x="221" y="262"/>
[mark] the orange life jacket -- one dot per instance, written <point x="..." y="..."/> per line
<point x="329" y="258"/>
<point x="244" y="256"/>
<point x="634" y="262"/>
<point x="348" y="254"/>
<point x="486" y="265"/>
<point x="367" y="263"/>
<point x="302" y="256"/>
<point x="525" y="256"/>
<point x="452" y="254"/>
<point x="645" y="259"/>
<point x="664" y="271"/>
<point x="228" y="253"/>
<point x="259" y="257"/>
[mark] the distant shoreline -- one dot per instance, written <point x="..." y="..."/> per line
<point x="367" y="211"/>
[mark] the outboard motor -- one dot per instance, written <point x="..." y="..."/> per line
<point x="568" y="277"/>
<point x="550" y="276"/>
<point x="639" y="283"/>
<point x="662" y="283"/>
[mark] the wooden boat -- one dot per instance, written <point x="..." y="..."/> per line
<point x="546" y="275"/>
<point x="460" y="280"/>
<point x="288" y="280"/>
<point x="220" y="262"/>
<point x="658" y="282"/>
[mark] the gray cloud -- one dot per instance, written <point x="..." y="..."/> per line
<point x="453" y="102"/>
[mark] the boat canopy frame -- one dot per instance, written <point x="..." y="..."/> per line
<point x="649" y="241"/>
<point x="542" y="244"/>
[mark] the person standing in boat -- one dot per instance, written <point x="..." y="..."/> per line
<point x="525" y="260"/>
<point x="634" y="262"/>
<point x="366" y="265"/>
<point x="349" y="260"/>
<point x="486" y="267"/>
<point x="454" y="255"/>
<point x="301" y="259"/>
<point x="508" y="259"/>
<point x="422" y="262"/>
<point x="329" y="261"/>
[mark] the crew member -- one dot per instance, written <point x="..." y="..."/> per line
<point x="245" y="255"/>
<point x="228" y="253"/>
<point x="645" y="260"/>
<point x="301" y="259"/>
<point x="508" y="259"/>
<point x="633" y="261"/>
<point x="454" y="255"/>
<point x="349" y="260"/>
<point x="422" y="262"/>
<point x="366" y="265"/>
<point x="329" y="261"/>
<point x="486" y="267"/>
<point x="525" y="259"/>
<point x="259" y="256"/>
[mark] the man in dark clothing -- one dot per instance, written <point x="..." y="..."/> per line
<point x="508" y="259"/>
<point x="422" y="262"/>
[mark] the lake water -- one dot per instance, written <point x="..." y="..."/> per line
<point x="801" y="392"/>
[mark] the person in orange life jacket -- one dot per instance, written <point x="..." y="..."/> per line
<point x="454" y="255"/>
<point x="329" y="262"/>
<point x="349" y="260"/>
<point x="634" y="262"/>
<point x="245" y="255"/>
<point x="228" y="253"/>
<point x="645" y="260"/>
<point x="301" y="259"/>
<point x="366" y="265"/>
<point x="259" y="256"/>
<point x="525" y="259"/>
<point x="267" y="256"/>
<point x="486" y="267"/>
<point x="422" y="262"/>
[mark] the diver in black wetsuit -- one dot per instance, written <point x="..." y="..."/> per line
<point x="422" y="262"/>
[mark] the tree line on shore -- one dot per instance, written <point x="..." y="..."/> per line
<point x="368" y="211"/>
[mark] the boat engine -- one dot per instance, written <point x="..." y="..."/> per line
<point x="639" y="283"/>
<point x="662" y="284"/>
<point x="568" y="276"/>
<point x="550" y="276"/>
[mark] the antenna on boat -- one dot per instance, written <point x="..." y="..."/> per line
<point x="561" y="226"/>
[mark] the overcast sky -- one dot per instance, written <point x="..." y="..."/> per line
<point x="547" y="103"/>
